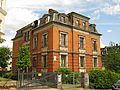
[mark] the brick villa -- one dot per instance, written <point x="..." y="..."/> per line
<point x="60" y="40"/>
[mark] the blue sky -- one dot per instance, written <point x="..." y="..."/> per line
<point x="104" y="13"/>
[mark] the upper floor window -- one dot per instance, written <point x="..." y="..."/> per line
<point x="94" y="45"/>
<point x="82" y="61"/>
<point x="34" y="42"/>
<point x="62" y="19"/>
<point x="83" y="25"/>
<point x="34" y="62"/>
<point x="81" y="42"/>
<point x="63" y="61"/>
<point x="27" y="36"/>
<point x="45" y="40"/>
<point x="63" y="39"/>
<point x="77" y="23"/>
<point x="47" y="19"/>
<point x="44" y="61"/>
<point x="94" y="61"/>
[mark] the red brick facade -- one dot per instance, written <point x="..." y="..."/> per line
<point x="60" y="40"/>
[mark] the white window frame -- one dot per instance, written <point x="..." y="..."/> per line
<point x="65" y="54"/>
<point x="83" y="42"/>
<point x="96" y="62"/>
<point x="45" y="41"/>
<point x="80" y="61"/>
<point x="66" y="39"/>
<point x="95" y="46"/>
<point x="42" y="61"/>
<point x="35" y="41"/>
<point x="77" y="23"/>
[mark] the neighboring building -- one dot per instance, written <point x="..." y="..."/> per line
<point x="2" y="16"/>
<point x="60" y="40"/>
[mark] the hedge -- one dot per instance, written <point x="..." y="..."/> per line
<point x="102" y="79"/>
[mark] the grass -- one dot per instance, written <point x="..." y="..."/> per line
<point x="2" y="79"/>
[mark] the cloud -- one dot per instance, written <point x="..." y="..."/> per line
<point x="102" y="45"/>
<point x="112" y="9"/>
<point x="109" y="31"/>
<point x="22" y="12"/>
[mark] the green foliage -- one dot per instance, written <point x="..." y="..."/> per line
<point x="64" y="70"/>
<point x="112" y="58"/>
<point x="23" y="60"/>
<point x="69" y="77"/>
<point x="5" y="55"/>
<point x="2" y="79"/>
<point x="8" y="75"/>
<point x="102" y="79"/>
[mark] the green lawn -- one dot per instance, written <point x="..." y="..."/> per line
<point x="2" y="79"/>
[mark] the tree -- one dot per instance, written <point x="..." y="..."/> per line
<point x="5" y="55"/>
<point x="23" y="60"/>
<point x="2" y="40"/>
<point x="112" y="58"/>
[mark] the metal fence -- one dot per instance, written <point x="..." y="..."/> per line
<point x="37" y="80"/>
<point x="72" y="80"/>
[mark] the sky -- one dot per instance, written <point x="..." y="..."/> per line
<point x="104" y="13"/>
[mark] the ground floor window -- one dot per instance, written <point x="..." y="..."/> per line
<point x="44" y="61"/>
<point x="34" y="61"/>
<point x="63" y="61"/>
<point x="82" y="61"/>
<point x="94" y="61"/>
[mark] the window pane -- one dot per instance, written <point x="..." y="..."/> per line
<point x="62" y="19"/>
<point x="27" y="36"/>
<point x="77" y="23"/>
<point x="45" y="40"/>
<point x="44" y="61"/>
<point x="82" y="62"/>
<point x="81" y="43"/>
<point x="34" y="61"/>
<point x="63" y="39"/>
<point x="83" y="25"/>
<point x="94" y="46"/>
<point x="63" y="60"/>
<point x="35" y="42"/>
<point x="95" y="62"/>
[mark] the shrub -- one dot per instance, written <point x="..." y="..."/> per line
<point x="8" y="75"/>
<point x="69" y="77"/>
<point x="102" y="79"/>
<point x="64" y="70"/>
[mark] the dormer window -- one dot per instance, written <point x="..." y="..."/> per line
<point x="47" y="19"/>
<point x="77" y="23"/>
<point x="83" y="25"/>
<point x="62" y="19"/>
<point x="27" y="36"/>
<point x="35" y="24"/>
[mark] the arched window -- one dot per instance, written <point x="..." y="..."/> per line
<point x="62" y="19"/>
<point x="83" y="25"/>
<point x="77" y="23"/>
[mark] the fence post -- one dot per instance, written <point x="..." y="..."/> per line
<point x="59" y="80"/>
<point x="85" y="80"/>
